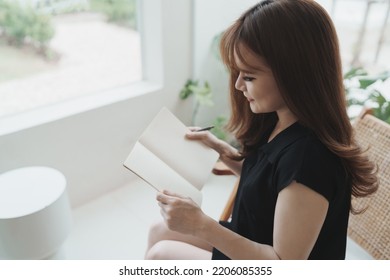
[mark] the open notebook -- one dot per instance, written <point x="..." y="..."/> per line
<point x="165" y="159"/>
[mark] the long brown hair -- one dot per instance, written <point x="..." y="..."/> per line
<point x="298" y="41"/>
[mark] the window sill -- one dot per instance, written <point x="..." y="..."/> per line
<point x="14" y="123"/>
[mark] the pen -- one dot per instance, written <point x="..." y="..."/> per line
<point x="204" y="129"/>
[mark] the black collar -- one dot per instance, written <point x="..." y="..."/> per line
<point x="285" y="138"/>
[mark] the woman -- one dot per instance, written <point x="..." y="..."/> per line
<point x="299" y="163"/>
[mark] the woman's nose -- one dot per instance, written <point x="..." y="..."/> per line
<point x="240" y="85"/>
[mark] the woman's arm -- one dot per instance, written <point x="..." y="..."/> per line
<point x="225" y="150"/>
<point x="299" y="215"/>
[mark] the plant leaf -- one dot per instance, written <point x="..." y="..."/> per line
<point x="355" y="72"/>
<point x="366" y="82"/>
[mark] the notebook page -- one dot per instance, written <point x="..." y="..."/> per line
<point x="165" y="137"/>
<point x="158" y="174"/>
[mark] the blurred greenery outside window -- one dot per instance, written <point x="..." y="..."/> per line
<point x="27" y="28"/>
<point x="30" y="21"/>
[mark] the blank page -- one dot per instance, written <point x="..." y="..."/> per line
<point x="165" y="137"/>
<point x="159" y="175"/>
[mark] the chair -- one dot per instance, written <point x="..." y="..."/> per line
<point x="371" y="229"/>
<point x="221" y="169"/>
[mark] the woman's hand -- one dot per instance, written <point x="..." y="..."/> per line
<point x="228" y="154"/>
<point x="207" y="138"/>
<point x="180" y="214"/>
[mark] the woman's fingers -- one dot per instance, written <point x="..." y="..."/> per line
<point x="197" y="135"/>
<point x="180" y="213"/>
<point x="161" y="198"/>
<point x="166" y="196"/>
<point x="194" y="128"/>
<point x="169" y="193"/>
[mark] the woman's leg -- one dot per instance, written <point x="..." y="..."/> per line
<point x="164" y="243"/>
<point x="176" y="250"/>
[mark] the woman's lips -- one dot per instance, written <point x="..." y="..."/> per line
<point x="249" y="99"/>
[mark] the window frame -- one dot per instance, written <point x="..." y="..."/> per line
<point x="152" y="78"/>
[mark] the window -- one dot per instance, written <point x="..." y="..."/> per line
<point x="56" y="50"/>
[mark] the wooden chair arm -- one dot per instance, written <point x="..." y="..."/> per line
<point x="222" y="169"/>
<point x="227" y="211"/>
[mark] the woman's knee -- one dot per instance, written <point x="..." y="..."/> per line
<point x="157" y="252"/>
<point x="176" y="250"/>
<point x="157" y="232"/>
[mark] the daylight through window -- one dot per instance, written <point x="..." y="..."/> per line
<point x="54" y="50"/>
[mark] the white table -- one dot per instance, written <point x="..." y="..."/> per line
<point x="35" y="215"/>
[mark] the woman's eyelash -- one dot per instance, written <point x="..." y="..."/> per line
<point x="248" y="79"/>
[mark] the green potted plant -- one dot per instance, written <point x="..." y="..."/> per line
<point x="367" y="90"/>
<point x="202" y="95"/>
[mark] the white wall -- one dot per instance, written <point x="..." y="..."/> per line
<point x="210" y="18"/>
<point x="89" y="147"/>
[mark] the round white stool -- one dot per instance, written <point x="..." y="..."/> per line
<point x="35" y="215"/>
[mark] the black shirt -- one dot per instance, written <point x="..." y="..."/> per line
<point x="294" y="154"/>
